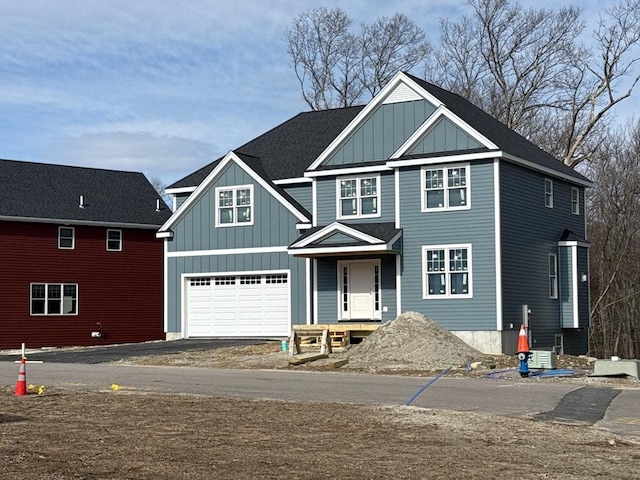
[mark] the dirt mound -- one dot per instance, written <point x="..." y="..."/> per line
<point x="412" y="341"/>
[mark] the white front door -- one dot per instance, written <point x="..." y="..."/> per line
<point x="360" y="289"/>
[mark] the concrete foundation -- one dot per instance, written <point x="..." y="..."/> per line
<point x="605" y="368"/>
<point x="173" y="336"/>
<point x="485" y="341"/>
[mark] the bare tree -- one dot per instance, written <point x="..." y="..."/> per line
<point x="614" y="226"/>
<point x="337" y="68"/>
<point x="528" y="69"/>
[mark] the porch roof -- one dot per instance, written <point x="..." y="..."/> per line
<point x="340" y="239"/>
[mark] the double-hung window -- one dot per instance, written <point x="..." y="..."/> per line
<point x="114" y="240"/>
<point x="54" y="299"/>
<point x="575" y="201"/>
<point x="445" y="188"/>
<point x="359" y="196"/>
<point x="548" y="193"/>
<point x="234" y="206"/>
<point x="447" y="271"/>
<point x="66" y="238"/>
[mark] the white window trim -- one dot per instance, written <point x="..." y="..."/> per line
<point x="235" y="222"/>
<point x="576" y="203"/>
<point x="548" y="181"/>
<point x="448" y="295"/>
<point x="119" y="249"/>
<point x="73" y="238"/>
<point x="46" y="290"/>
<point x="358" y="198"/>
<point x="553" y="278"/>
<point x="445" y="168"/>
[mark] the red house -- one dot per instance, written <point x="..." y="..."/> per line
<point x="79" y="260"/>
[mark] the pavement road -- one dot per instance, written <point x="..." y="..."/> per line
<point x="478" y="395"/>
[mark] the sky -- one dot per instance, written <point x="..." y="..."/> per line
<point x="164" y="87"/>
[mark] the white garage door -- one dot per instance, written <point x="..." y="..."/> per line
<point x="255" y="305"/>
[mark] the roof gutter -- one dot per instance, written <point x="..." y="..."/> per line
<point x="90" y="223"/>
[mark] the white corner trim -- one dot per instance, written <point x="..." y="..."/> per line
<point x="165" y="286"/>
<point x="396" y="179"/>
<point x="308" y="294"/>
<point x="498" y="243"/>
<point x="576" y="282"/>
<point x="314" y="203"/>
<point x="398" y="285"/>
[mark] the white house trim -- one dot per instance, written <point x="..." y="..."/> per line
<point x="444" y="159"/>
<point x="314" y="203"/>
<point x="396" y="179"/>
<point x="348" y="171"/>
<point x="307" y="291"/>
<point x="292" y="181"/>
<point x="67" y="221"/>
<point x="574" y="267"/>
<point x="330" y="230"/>
<point x="227" y="251"/>
<point x="213" y="176"/>
<point x="173" y="191"/>
<point x="383" y="247"/>
<point x="398" y="285"/>
<point x="497" y="243"/>
<point x="165" y="287"/>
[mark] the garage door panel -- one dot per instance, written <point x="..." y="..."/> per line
<point x="255" y="305"/>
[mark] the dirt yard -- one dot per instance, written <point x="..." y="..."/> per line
<point x="123" y="435"/>
<point x="118" y="435"/>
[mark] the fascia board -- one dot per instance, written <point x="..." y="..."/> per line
<point x="347" y="171"/>
<point x="377" y="101"/>
<point x="549" y="171"/>
<point x="445" y="159"/>
<point x="441" y="112"/>
<point x="292" y="181"/>
<point x="67" y="221"/>
<point x="335" y="227"/>
<point x="173" y="191"/>
<point x="383" y="247"/>
<point x="574" y="243"/>
<point x="209" y="179"/>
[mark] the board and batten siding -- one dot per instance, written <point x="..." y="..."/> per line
<point x="327" y="288"/>
<point x="274" y="226"/>
<point x="530" y="232"/>
<point x="474" y="226"/>
<point x="327" y="197"/>
<point x="383" y="132"/>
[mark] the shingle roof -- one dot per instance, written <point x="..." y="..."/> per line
<point x="46" y="191"/>
<point x="505" y="138"/>
<point x="288" y="149"/>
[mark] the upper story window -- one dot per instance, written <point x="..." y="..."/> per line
<point x="66" y="237"/>
<point x="114" y="240"/>
<point x="54" y="299"/>
<point x="548" y="193"/>
<point x="447" y="271"/>
<point x="575" y="201"/>
<point x="359" y="197"/>
<point x="234" y="206"/>
<point x="445" y="188"/>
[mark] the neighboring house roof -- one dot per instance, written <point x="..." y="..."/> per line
<point x="288" y="149"/>
<point x="41" y="192"/>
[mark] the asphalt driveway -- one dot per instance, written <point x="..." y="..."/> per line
<point x="114" y="353"/>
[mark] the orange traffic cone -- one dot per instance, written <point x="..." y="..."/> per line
<point x="523" y="341"/>
<point x="21" y="384"/>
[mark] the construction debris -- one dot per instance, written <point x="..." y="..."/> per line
<point x="412" y="342"/>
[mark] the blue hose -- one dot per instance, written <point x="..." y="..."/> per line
<point x="415" y="395"/>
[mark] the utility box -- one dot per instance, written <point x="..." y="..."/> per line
<point x="543" y="359"/>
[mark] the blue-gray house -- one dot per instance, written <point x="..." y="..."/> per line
<point x="417" y="201"/>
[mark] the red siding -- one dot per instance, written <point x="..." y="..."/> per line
<point x="122" y="291"/>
